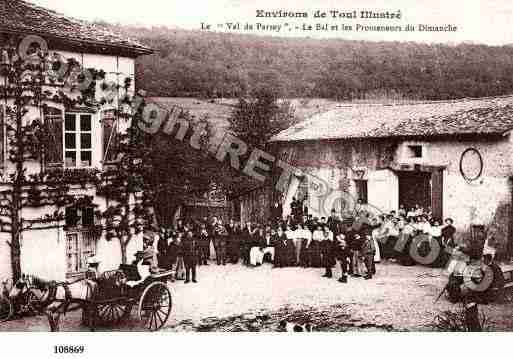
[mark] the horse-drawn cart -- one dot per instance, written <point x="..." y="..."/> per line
<point x="109" y="299"/>
<point x="115" y="300"/>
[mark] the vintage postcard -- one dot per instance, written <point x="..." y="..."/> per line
<point x="240" y="166"/>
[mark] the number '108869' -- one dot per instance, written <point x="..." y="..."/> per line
<point x="68" y="349"/>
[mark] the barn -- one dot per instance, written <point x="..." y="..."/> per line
<point x="453" y="157"/>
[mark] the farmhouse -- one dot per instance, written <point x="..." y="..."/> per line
<point x="451" y="156"/>
<point x="56" y="236"/>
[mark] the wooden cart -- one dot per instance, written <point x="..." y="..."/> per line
<point x="114" y="304"/>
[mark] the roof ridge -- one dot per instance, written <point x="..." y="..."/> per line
<point x="485" y="115"/>
<point x="422" y="102"/>
<point x="22" y="16"/>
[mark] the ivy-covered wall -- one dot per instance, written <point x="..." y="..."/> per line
<point x="44" y="197"/>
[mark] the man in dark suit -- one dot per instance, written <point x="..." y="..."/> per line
<point x="190" y="249"/>
<point x="220" y="236"/>
<point x="204" y="243"/>
<point x="448" y="232"/>
<point x="310" y="224"/>
<point x="294" y="207"/>
<point x="232" y="245"/>
<point x="162" y="247"/>
<point x="333" y="223"/>
<point x="343" y="254"/>
<point x="276" y="212"/>
<point x="280" y="256"/>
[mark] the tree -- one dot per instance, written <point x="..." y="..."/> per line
<point x="181" y="169"/>
<point x="255" y="120"/>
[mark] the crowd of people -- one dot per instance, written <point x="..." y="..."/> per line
<point x="299" y="240"/>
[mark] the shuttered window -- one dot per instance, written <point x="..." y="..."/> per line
<point x="2" y="137"/>
<point x="110" y="135"/>
<point x="53" y="141"/>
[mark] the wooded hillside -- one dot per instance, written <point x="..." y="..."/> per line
<point x="202" y="64"/>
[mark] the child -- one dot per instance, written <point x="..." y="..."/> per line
<point x="368" y="251"/>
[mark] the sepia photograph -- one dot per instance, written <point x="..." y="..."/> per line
<point x="275" y="166"/>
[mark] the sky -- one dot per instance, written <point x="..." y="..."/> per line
<point x="477" y="21"/>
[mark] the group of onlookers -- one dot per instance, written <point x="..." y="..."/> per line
<point x="299" y="240"/>
<point x="394" y="232"/>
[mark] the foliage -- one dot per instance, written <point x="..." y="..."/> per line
<point x="203" y="64"/>
<point x="256" y="119"/>
<point x="29" y="86"/>
<point x="178" y="169"/>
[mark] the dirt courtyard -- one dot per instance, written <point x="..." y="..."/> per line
<point x="237" y="298"/>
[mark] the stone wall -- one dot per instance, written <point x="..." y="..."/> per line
<point x="485" y="201"/>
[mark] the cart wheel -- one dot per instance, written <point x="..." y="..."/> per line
<point x="113" y="313"/>
<point x="6" y="309"/>
<point x="155" y="306"/>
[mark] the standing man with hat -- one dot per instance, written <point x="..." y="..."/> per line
<point x="191" y="251"/>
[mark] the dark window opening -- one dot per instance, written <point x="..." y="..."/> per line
<point x="79" y="217"/>
<point x="88" y="216"/>
<point x="72" y="217"/>
<point x="415" y="151"/>
<point x="361" y="190"/>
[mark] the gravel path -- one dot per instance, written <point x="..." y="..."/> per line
<point x="236" y="298"/>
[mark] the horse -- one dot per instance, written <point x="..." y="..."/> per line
<point x="25" y="294"/>
<point x="63" y="297"/>
<point x="57" y="298"/>
<point x="54" y="298"/>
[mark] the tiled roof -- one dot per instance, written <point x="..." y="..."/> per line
<point x="23" y="17"/>
<point x="466" y="116"/>
<point x="487" y="120"/>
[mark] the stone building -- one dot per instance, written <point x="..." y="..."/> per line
<point x="451" y="156"/>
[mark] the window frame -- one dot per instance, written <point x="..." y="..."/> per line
<point x="82" y="251"/>
<point x="78" y="139"/>
<point x="82" y="233"/>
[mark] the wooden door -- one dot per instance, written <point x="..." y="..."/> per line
<point x="437" y="185"/>
<point x="415" y="188"/>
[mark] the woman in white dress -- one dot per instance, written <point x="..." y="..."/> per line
<point x="266" y="246"/>
<point x="256" y="256"/>
<point x="315" y="247"/>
